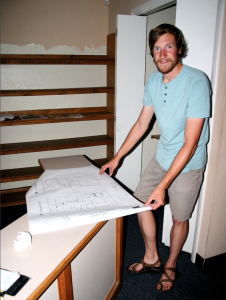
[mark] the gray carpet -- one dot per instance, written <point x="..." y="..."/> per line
<point x="192" y="284"/>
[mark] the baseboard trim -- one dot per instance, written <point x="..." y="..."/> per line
<point x="211" y="262"/>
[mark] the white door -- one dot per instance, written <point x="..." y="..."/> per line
<point x="129" y="91"/>
<point x="164" y="16"/>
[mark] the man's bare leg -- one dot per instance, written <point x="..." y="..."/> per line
<point x="178" y="235"/>
<point x="148" y="229"/>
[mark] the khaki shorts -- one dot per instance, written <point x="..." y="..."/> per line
<point x="183" y="191"/>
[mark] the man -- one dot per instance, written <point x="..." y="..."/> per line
<point x="180" y="98"/>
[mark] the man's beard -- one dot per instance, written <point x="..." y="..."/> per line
<point x="166" y="69"/>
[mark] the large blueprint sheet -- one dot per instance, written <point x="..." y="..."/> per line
<point x="67" y="198"/>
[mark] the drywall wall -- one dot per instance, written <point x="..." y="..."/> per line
<point x="73" y="23"/>
<point x="212" y="240"/>
<point x="52" y="27"/>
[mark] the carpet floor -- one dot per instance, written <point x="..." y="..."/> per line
<point x="193" y="283"/>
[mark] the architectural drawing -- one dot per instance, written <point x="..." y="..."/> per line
<point x="67" y="198"/>
<point x="80" y="202"/>
<point x="61" y="182"/>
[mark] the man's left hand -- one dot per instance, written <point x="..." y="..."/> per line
<point x="159" y="196"/>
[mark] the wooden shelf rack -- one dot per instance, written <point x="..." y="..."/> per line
<point x="17" y="196"/>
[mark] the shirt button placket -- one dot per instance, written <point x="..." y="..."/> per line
<point x="165" y="99"/>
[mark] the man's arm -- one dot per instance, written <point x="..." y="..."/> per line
<point x="192" y="133"/>
<point x="137" y="131"/>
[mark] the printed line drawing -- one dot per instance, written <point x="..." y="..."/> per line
<point x="59" y="183"/>
<point x="96" y="200"/>
<point x="59" y="220"/>
<point x="75" y="197"/>
<point x="115" y="186"/>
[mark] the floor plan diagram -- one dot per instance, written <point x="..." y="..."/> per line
<point x="61" y="182"/>
<point x="80" y="202"/>
<point x="67" y="198"/>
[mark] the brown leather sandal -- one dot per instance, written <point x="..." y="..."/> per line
<point x="146" y="268"/>
<point x="168" y="279"/>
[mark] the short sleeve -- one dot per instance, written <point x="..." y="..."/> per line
<point x="199" y="99"/>
<point x="147" y="95"/>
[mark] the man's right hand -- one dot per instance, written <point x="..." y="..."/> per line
<point x="112" y="164"/>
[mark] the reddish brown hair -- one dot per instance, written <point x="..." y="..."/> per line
<point x="157" y="32"/>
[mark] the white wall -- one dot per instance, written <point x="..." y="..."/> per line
<point x="51" y="292"/>
<point x="201" y="55"/>
<point x="52" y="27"/>
<point x="197" y="20"/>
<point x="93" y="269"/>
<point x="211" y="239"/>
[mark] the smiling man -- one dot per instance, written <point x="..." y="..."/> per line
<point x="180" y="98"/>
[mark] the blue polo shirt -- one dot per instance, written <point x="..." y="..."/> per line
<point x="186" y="96"/>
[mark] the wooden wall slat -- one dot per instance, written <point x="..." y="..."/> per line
<point x="20" y="174"/>
<point x="48" y="145"/>
<point x="16" y="190"/>
<point x="10" y="199"/>
<point x="25" y="59"/>
<point x="45" y="92"/>
<point x="53" y="111"/>
<point x="86" y="117"/>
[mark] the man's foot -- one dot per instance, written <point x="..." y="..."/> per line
<point x="142" y="267"/>
<point x="167" y="280"/>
